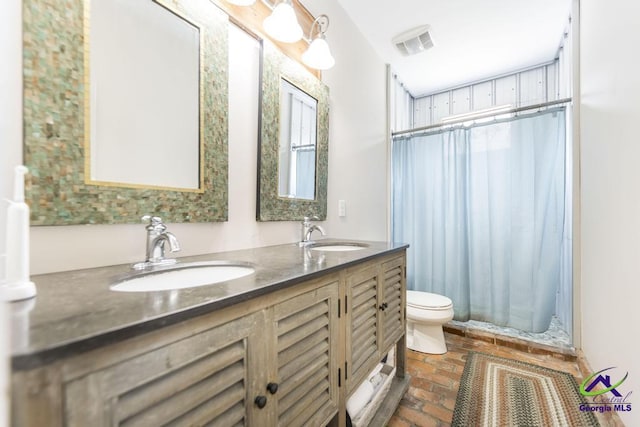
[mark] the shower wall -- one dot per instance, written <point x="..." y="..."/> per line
<point x="527" y="87"/>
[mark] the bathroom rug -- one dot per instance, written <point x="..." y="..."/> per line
<point x="495" y="391"/>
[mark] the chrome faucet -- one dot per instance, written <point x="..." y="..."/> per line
<point x="157" y="236"/>
<point x="307" y="228"/>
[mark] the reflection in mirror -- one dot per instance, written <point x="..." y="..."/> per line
<point x="297" y="162"/>
<point x="144" y="100"/>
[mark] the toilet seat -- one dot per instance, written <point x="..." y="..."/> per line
<point x="428" y="301"/>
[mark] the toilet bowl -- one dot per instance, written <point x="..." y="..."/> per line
<point x="426" y="313"/>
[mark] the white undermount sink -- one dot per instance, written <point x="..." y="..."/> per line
<point x="180" y="276"/>
<point x="337" y="246"/>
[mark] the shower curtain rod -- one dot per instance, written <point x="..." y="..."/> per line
<point x="482" y="116"/>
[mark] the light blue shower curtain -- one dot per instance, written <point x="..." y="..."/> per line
<point x="306" y="174"/>
<point x="483" y="210"/>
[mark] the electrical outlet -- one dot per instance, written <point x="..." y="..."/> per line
<point x="342" y="208"/>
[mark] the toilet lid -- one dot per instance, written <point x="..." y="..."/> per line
<point x="428" y="300"/>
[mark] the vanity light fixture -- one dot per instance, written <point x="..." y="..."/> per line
<point x="282" y="24"/>
<point x="242" y="2"/>
<point x="318" y="55"/>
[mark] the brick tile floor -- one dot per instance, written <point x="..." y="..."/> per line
<point x="431" y="397"/>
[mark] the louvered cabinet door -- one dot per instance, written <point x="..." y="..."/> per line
<point x="199" y="380"/>
<point x="306" y="353"/>
<point x="363" y="340"/>
<point x="393" y="302"/>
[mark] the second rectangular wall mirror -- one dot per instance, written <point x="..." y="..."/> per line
<point x="294" y="141"/>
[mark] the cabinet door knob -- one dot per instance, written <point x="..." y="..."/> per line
<point x="272" y="388"/>
<point x="385" y="305"/>
<point x="261" y="401"/>
<point x="381" y="307"/>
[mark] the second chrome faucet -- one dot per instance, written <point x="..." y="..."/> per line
<point x="157" y="237"/>
<point x="308" y="228"/>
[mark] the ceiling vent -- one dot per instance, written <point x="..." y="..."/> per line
<point x="414" y="41"/>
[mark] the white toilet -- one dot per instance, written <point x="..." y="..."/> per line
<point x="426" y="313"/>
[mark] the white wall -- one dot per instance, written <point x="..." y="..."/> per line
<point x="610" y="152"/>
<point x="357" y="129"/>
<point x="10" y="155"/>
<point x="357" y="170"/>
<point x="10" y="106"/>
<point x="4" y="364"/>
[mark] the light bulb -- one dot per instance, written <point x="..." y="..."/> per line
<point x="318" y="55"/>
<point x="282" y="24"/>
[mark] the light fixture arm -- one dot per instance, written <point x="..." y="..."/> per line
<point x="322" y="22"/>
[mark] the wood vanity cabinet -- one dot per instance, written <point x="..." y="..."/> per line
<point x="375" y="315"/>
<point x="191" y="381"/>
<point x="392" y="294"/>
<point x="304" y="345"/>
<point x="275" y="360"/>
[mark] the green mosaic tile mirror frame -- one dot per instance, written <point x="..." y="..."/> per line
<point x="54" y="103"/>
<point x="271" y="207"/>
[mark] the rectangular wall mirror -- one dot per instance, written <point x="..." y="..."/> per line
<point x="125" y="110"/>
<point x="294" y="137"/>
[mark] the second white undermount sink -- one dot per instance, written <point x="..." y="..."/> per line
<point x="337" y="246"/>
<point x="183" y="276"/>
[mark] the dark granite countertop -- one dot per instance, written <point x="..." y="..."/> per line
<point x="75" y="311"/>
